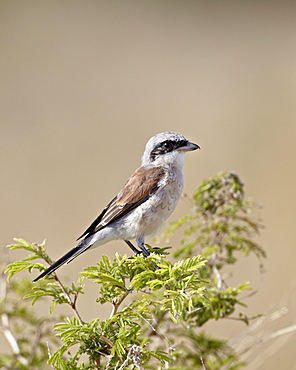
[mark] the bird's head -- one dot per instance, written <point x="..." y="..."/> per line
<point x="167" y="149"/>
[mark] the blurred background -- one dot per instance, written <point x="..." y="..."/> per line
<point x="85" y="84"/>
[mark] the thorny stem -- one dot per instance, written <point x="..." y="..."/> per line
<point x="72" y="304"/>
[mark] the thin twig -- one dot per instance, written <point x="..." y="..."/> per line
<point x="117" y="303"/>
<point x="252" y="338"/>
<point x="5" y="321"/>
<point x="12" y="340"/>
<point x="155" y="330"/>
<point x="35" y="343"/>
<point x="288" y="329"/>
<point x="216" y="271"/>
<point x="49" y="353"/>
<point x="71" y="303"/>
<point x="134" y="355"/>
<point x="202" y="363"/>
<point x="155" y="325"/>
<point x="186" y="199"/>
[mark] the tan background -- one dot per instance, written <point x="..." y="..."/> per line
<point x="84" y="85"/>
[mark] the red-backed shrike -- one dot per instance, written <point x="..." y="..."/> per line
<point x="143" y="204"/>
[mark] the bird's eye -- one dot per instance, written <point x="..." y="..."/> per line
<point x="163" y="148"/>
<point x="168" y="145"/>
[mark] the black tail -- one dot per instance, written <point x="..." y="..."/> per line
<point x="68" y="257"/>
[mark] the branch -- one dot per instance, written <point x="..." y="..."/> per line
<point x="117" y="303"/>
<point x="288" y="329"/>
<point x="72" y="304"/>
<point x="5" y="321"/>
<point x="155" y="325"/>
<point x="220" y="280"/>
<point x="134" y="355"/>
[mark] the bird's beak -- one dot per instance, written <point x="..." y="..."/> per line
<point x="189" y="147"/>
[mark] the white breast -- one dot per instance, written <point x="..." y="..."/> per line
<point x="147" y="218"/>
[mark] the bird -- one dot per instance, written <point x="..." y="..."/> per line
<point x="146" y="200"/>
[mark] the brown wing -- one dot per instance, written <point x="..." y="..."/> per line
<point x="139" y="187"/>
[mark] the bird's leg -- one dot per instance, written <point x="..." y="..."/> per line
<point x="141" y="244"/>
<point x="133" y="248"/>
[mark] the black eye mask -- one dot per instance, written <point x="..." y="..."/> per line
<point x="166" y="147"/>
